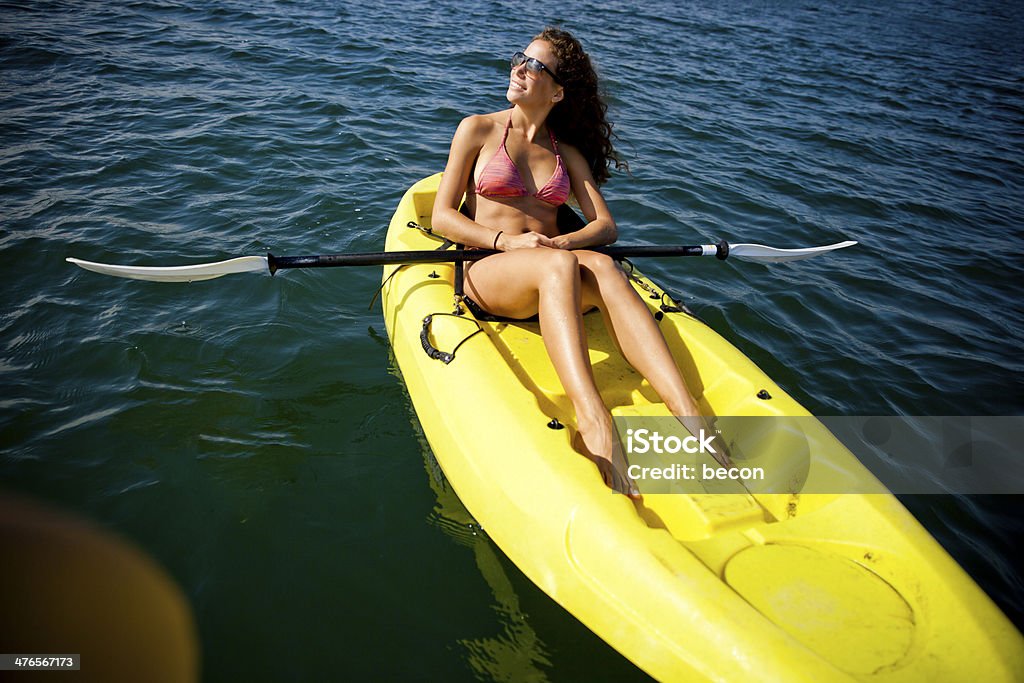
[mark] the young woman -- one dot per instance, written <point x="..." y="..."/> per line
<point x="515" y="168"/>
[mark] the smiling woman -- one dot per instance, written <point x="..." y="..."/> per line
<point x="513" y="174"/>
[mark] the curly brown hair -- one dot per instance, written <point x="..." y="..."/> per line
<point x="580" y="118"/>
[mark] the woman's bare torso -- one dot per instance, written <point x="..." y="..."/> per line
<point x="535" y="162"/>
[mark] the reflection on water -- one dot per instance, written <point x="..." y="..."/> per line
<point x="517" y="653"/>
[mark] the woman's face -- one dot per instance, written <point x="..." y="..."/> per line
<point x="528" y="85"/>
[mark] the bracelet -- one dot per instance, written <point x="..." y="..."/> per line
<point x="495" y="245"/>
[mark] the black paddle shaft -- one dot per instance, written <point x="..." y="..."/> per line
<point x="392" y="257"/>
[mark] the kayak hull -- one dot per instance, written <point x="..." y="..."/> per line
<point x="728" y="586"/>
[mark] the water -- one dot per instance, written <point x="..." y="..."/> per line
<point x="252" y="434"/>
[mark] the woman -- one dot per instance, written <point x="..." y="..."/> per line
<point x="516" y="167"/>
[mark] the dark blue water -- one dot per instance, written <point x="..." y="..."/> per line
<point x="251" y="433"/>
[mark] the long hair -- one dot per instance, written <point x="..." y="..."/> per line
<point x="580" y="118"/>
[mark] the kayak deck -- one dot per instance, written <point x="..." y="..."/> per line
<point x="686" y="585"/>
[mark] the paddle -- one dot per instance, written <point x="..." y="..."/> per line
<point x="271" y="264"/>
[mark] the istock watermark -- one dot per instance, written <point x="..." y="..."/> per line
<point x="831" y="455"/>
<point x="643" y="441"/>
<point x="647" y="440"/>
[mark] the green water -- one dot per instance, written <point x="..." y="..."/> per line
<point x="252" y="434"/>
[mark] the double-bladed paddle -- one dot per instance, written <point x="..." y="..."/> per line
<point x="271" y="264"/>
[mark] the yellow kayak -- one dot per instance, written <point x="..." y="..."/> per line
<point x="689" y="586"/>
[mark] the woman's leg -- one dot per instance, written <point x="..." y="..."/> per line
<point x="546" y="282"/>
<point x="637" y="335"/>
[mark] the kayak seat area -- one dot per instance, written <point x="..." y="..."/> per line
<point x="710" y="374"/>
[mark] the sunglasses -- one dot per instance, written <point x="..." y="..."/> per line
<point x="533" y="66"/>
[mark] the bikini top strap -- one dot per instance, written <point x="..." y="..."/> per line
<point x="554" y="143"/>
<point x="508" y="126"/>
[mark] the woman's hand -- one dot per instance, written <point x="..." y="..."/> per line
<point x="526" y="240"/>
<point x="562" y="242"/>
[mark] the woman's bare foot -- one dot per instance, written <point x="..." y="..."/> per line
<point x="613" y="467"/>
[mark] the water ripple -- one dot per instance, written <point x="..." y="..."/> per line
<point x="166" y="132"/>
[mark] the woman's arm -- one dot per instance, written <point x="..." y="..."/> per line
<point x="445" y="218"/>
<point x="600" y="228"/>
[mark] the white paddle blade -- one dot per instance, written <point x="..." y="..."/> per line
<point x="200" y="271"/>
<point x="763" y="254"/>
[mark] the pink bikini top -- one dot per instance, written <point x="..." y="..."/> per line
<point x="500" y="177"/>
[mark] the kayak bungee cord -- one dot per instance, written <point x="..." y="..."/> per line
<point x="445" y="243"/>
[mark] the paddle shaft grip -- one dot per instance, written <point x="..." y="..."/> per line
<point x="373" y="259"/>
<point x="275" y="263"/>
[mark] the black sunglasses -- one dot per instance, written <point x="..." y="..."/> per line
<point x="534" y="66"/>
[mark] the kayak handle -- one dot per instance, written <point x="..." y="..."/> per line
<point x="431" y="350"/>
<point x="445" y="357"/>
